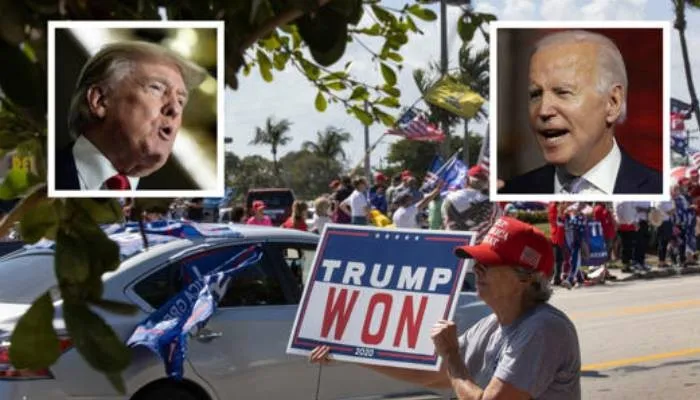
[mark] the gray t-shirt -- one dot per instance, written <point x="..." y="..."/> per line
<point x="539" y="353"/>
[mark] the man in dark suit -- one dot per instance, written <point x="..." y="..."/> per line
<point x="578" y="93"/>
<point x="125" y="114"/>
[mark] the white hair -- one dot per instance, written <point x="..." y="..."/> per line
<point x="540" y="288"/>
<point x="611" y="65"/>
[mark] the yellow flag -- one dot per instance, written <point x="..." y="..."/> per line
<point x="455" y="98"/>
<point x="380" y="220"/>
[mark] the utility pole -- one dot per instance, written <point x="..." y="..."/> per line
<point x="368" y="169"/>
<point x="444" y="124"/>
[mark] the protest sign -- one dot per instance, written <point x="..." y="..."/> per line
<point x="598" y="249"/>
<point x="373" y="294"/>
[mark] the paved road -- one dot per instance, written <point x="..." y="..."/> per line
<point x="639" y="340"/>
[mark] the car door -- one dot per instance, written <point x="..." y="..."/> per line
<point x="241" y="351"/>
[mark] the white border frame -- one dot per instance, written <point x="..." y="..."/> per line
<point x="468" y="266"/>
<point x="219" y="191"/>
<point x="665" y="27"/>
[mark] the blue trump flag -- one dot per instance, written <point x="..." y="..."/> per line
<point x="598" y="250"/>
<point x="431" y="176"/>
<point x="165" y="331"/>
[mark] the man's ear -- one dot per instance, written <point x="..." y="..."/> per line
<point x="614" y="103"/>
<point x="96" y="101"/>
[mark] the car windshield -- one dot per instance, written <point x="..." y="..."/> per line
<point x="272" y="199"/>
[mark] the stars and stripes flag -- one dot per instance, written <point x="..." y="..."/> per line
<point x="413" y="125"/>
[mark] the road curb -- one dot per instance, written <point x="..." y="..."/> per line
<point x="661" y="273"/>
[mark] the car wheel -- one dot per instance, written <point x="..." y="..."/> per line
<point x="170" y="392"/>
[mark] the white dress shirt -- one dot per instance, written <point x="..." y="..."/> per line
<point x="601" y="178"/>
<point x="93" y="167"/>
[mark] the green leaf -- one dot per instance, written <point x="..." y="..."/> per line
<point x="336" y="85"/>
<point x="390" y="90"/>
<point x="364" y="117"/>
<point x="246" y="70"/>
<point x="321" y="103"/>
<point x="271" y="43"/>
<point x="72" y="258"/>
<point x="383" y="15"/>
<point x="392" y="102"/>
<point x="388" y="74"/>
<point x="359" y="93"/>
<point x="41" y="222"/>
<point x="117" y="381"/>
<point x="466" y="30"/>
<point x="335" y="75"/>
<point x="412" y="25"/>
<point x="374" y="30"/>
<point x="265" y="65"/>
<point x="104" y="254"/>
<point x="312" y="72"/>
<point x="422" y="13"/>
<point x="279" y="60"/>
<point x="15" y="184"/>
<point x="394" y="56"/>
<point x="385" y="118"/>
<point x="115" y="307"/>
<point x="34" y="343"/>
<point x="95" y="340"/>
<point x="102" y="211"/>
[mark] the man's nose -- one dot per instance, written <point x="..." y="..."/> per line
<point x="172" y="107"/>
<point x="546" y="109"/>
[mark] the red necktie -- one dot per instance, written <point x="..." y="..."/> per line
<point x="118" y="182"/>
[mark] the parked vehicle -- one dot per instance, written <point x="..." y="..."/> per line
<point x="240" y="354"/>
<point x="278" y="203"/>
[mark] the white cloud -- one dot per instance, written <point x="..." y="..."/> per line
<point x="614" y="9"/>
<point x="559" y="9"/>
<point x="519" y="9"/>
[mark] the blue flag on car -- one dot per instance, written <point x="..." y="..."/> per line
<point x="166" y="330"/>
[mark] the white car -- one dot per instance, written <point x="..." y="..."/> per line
<point x="240" y="354"/>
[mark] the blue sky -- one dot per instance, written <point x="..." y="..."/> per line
<point x="291" y="96"/>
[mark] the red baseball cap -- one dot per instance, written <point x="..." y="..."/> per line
<point x="476" y="170"/>
<point x="258" y="204"/>
<point x="514" y="243"/>
<point x="406" y="174"/>
<point x="684" y="181"/>
<point x="379" y="177"/>
<point x="334" y="184"/>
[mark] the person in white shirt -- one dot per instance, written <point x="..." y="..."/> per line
<point x="665" y="231"/>
<point x="125" y="114"/>
<point x="626" y="217"/>
<point x="357" y="204"/>
<point x="406" y="215"/>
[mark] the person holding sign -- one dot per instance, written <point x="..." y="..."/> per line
<point x="527" y="349"/>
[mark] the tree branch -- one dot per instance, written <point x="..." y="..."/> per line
<point x="272" y="24"/>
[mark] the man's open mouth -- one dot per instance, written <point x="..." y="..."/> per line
<point x="552" y="135"/>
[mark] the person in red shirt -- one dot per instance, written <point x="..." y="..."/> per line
<point x="298" y="218"/>
<point x="602" y="214"/>
<point x="556" y="235"/>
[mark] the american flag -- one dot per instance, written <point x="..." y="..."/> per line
<point x="415" y="126"/>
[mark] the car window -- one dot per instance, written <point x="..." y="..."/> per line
<point x="255" y="285"/>
<point x="26" y="277"/>
<point x="298" y="258"/>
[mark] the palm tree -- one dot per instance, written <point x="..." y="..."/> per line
<point x="275" y="135"/>
<point x="473" y="72"/>
<point x="680" y="25"/>
<point x="329" y="143"/>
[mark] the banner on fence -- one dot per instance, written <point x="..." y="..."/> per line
<point x="373" y="294"/>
